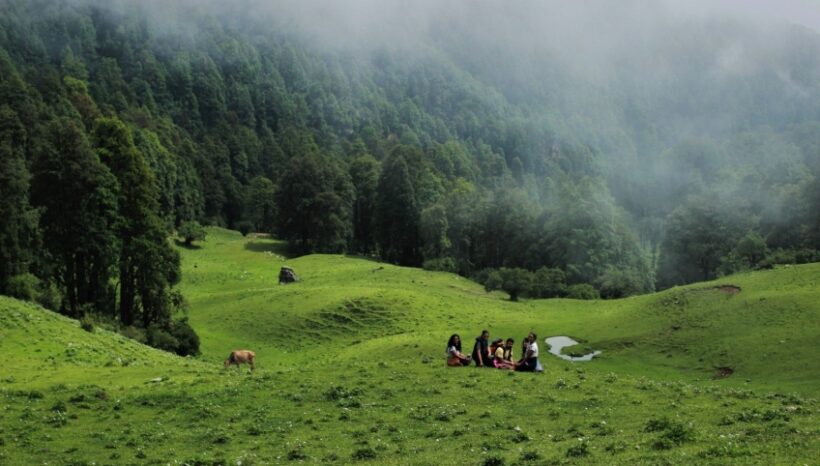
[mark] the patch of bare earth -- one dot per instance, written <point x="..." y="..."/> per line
<point x="723" y="372"/>
<point x="728" y="289"/>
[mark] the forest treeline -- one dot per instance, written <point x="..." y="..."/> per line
<point x="116" y="129"/>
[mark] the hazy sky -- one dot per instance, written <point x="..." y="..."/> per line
<point x="805" y="12"/>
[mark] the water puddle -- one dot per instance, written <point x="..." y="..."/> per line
<point x="558" y="343"/>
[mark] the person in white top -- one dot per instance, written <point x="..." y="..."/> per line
<point x="529" y="363"/>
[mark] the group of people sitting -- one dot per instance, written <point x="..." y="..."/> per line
<point x="498" y="353"/>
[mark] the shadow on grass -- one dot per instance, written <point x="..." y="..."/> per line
<point x="274" y="247"/>
<point x="374" y="259"/>
<point x="183" y="244"/>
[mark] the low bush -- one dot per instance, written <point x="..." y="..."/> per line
<point x="582" y="291"/>
<point x="191" y="231"/>
<point x="134" y="333"/>
<point x="87" y="324"/>
<point x="24" y="286"/>
<point x="441" y="264"/>
<point x="161" y="338"/>
<point x="50" y="296"/>
<point x="244" y="227"/>
<point x="187" y="339"/>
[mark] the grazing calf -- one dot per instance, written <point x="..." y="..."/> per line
<point x="240" y="356"/>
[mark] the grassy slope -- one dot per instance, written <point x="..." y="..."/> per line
<point x="766" y="333"/>
<point x="351" y="370"/>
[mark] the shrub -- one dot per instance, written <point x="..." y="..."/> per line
<point x="441" y="264"/>
<point x="244" y="227"/>
<point x="516" y="282"/>
<point x="30" y="288"/>
<point x="792" y="256"/>
<point x="188" y="340"/>
<point x="751" y="249"/>
<point x="160" y="338"/>
<point x="615" y="283"/>
<point x="50" y="296"/>
<point x="750" y="252"/>
<point x="493" y="281"/>
<point x="480" y="276"/>
<point x="24" y="286"/>
<point x="176" y="337"/>
<point x="86" y="323"/>
<point x="134" y="333"/>
<point x="582" y="291"/>
<point x="191" y="231"/>
<point x="549" y="283"/>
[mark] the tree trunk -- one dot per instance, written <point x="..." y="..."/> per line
<point x="71" y="285"/>
<point x="126" y="294"/>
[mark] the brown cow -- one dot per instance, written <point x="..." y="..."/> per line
<point x="240" y="356"/>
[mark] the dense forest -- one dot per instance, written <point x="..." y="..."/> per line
<point x="542" y="170"/>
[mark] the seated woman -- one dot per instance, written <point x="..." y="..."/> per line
<point x="508" y="351"/>
<point x="498" y="342"/>
<point x="525" y="344"/>
<point x="454" y="355"/>
<point x="499" y="361"/>
<point x="530" y="361"/>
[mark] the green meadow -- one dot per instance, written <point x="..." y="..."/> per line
<point x="350" y="369"/>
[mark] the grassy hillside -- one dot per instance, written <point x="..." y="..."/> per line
<point x="765" y="332"/>
<point x="351" y="371"/>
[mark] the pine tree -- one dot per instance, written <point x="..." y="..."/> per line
<point x="18" y="226"/>
<point x="148" y="265"/>
<point x="364" y="173"/>
<point x="397" y="214"/>
<point x="78" y="197"/>
<point x="260" y="204"/>
<point x="314" y="204"/>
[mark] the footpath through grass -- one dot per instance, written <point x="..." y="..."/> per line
<point x="350" y="370"/>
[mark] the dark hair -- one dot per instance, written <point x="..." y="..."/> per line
<point x="497" y="343"/>
<point x="450" y="342"/>
<point x="485" y="331"/>
<point x="508" y="352"/>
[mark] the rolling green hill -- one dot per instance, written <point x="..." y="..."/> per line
<point x="350" y="369"/>
<point x="683" y="333"/>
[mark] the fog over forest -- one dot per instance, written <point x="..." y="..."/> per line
<point x="614" y="148"/>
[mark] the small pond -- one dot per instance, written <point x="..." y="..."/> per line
<point x="558" y="343"/>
